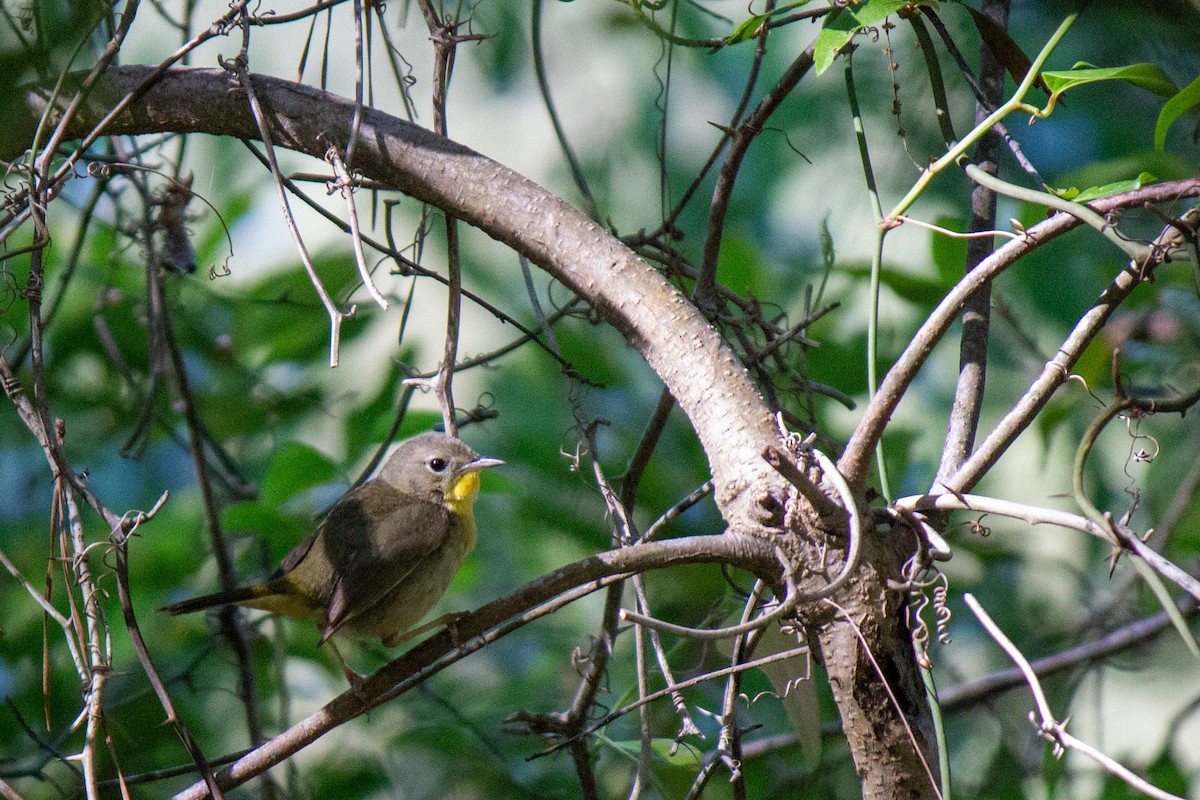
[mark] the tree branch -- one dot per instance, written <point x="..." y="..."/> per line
<point x="476" y="629"/>
<point x="702" y="373"/>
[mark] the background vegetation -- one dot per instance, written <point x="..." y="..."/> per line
<point x="213" y="392"/>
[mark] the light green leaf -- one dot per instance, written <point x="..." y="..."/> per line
<point x="920" y="290"/>
<point x="1096" y="192"/>
<point x="747" y="30"/>
<point x="1146" y="76"/>
<point x="251" y="516"/>
<point x="842" y="24"/>
<point x="1183" y="102"/>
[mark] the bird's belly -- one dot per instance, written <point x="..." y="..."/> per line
<point x="410" y="600"/>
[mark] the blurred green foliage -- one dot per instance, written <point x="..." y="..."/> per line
<point x="286" y="436"/>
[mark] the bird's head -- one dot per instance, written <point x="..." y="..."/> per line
<point x="437" y="468"/>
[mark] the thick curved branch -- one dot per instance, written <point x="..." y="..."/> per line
<point x="702" y="373"/>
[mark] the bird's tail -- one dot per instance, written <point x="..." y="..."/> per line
<point x="238" y="595"/>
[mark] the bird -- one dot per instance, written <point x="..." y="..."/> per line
<point x="382" y="555"/>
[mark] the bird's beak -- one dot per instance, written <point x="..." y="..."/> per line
<point x="481" y="463"/>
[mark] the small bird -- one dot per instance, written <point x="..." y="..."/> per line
<point x="383" y="554"/>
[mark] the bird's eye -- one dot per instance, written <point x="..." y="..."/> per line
<point x="437" y="464"/>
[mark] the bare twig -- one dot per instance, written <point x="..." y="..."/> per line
<point x="1044" y="721"/>
<point x="344" y="183"/>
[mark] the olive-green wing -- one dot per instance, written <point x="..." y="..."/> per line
<point x="373" y="538"/>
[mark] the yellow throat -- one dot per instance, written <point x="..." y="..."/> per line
<point x="462" y="493"/>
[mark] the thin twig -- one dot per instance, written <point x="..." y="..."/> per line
<point x="702" y="491"/>
<point x="120" y="538"/>
<point x="539" y="70"/>
<point x="1035" y="515"/>
<point x="740" y="140"/>
<point x="443" y="34"/>
<point x="345" y="184"/>
<point x="1047" y="726"/>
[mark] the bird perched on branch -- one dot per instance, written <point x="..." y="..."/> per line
<point x="383" y="554"/>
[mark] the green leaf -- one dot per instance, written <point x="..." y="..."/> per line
<point x="1146" y="76"/>
<point x="1096" y="192"/>
<point x="949" y="253"/>
<point x="251" y="516"/>
<point x="1184" y="101"/>
<point x="742" y="265"/>
<point x="671" y="774"/>
<point x="842" y="24"/>
<point x="748" y="29"/>
<point x="294" y="468"/>
<point x="1165" y="773"/>
<point x="922" y="291"/>
<point x="745" y="32"/>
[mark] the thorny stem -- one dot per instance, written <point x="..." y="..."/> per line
<point x="1047" y="726"/>
<point x="78" y="566"/>
<point x="1035" y="515"/>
